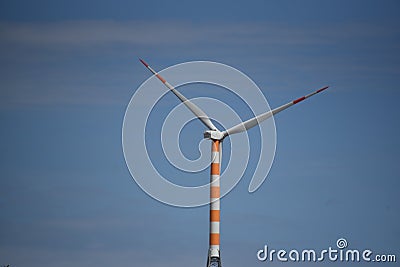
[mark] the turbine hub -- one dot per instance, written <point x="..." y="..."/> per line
<point x="213" y="134"/>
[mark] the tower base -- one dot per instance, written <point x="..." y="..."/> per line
<point x="214" y="259"/>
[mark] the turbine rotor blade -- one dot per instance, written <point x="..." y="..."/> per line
<point x="244" y="126"/>
<point x="200" y="114"/>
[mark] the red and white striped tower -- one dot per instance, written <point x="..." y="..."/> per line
<point x="215" y="198"/>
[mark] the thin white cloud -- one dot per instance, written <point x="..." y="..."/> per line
<point x="182" y="32"/>
<point x="96" y="32"/>
<point x="148" y="33"/>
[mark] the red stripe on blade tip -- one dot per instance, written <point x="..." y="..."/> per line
<point x="299" y="99"/>
<point x="143" y="62"/>
<point x="161" y="78"/>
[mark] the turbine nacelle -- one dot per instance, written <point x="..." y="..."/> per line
<point x="214" y="135"/>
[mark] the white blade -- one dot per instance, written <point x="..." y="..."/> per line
<point x="244" y="126"/>
<point x="200" y="114"/>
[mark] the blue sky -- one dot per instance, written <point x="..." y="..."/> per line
<point x="69" y="69"/>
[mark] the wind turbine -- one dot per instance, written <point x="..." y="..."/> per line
<point x="217" y="137"/>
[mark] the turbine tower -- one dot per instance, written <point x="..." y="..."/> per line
<point x="217" y="137"/>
